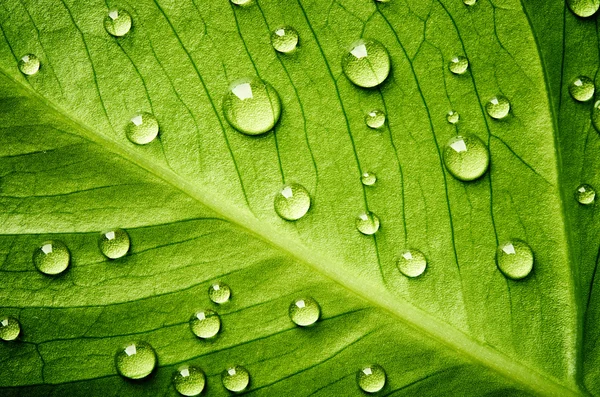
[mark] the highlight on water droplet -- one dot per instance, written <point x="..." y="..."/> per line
<point x="458" y="64"/>
<point x="585" y="194"/>
<point x="29" y="64"/>
<point x="412" y="263"/>
<point x="367" y="223"/>
<point x="375" y="119"/>
<point x="241" y="2"/>
<point x="470" y="2"/>
<point x="10" y="328"/>
<point x="368" y="178"/>
<point x="114" y="244"/>
<point x="135" y="360"/>
<point x="292" y="202"/>
<point x="466" y="157"/>
<point x="371" y="379"/>
<point x="582" y="89"/>
<point x="584" y="8"/>
<point x="219" y="293"/>
<point x="453" y="117"/>
<point x="285" y="39"/>
<point x="251" y="106"/>
<point x="189" y="380"/>
<point x="498" y="107"/>
<point x="118" y="22"/>
<point x="52" y="257"/>
<point x="367" y="63"/>
<point x="205" y="324"/>
<point x="514" y="259"/>
<point x="142" y="129"/>
<point x="304" y="311"/>
<point x="236" y="378"/>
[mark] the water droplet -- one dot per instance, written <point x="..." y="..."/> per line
<point x="117" y="22"/>
<point x="304" y="311"/>
<point x="135" y="360"/>
<point x="582" y="89"/>
<point x="585" y="194"/>
<point x="371" y="379"/>
<point x="236" y="378"/>
<point x="292" y="202"/>
<point x="466" y="157"/>
<point x="142" y="129"/>
<point x="498" y="107"/>
<point x="52" y="257"/>
<point x="219" y="293"/>
<point x="367" y="223"/>
<point x="514" y="259"/>
<point x="412" y="263"/>
<point x="114" y="244"/>
<point x="205" y="324"/>
<point x="382" y="1"/>
<point x="10" y="328"/>
<point x="367" y="64"/>
<point x="285" y="39"/>
<point x="596" y="116"/>
<point x="189" y="380"/>
<point x="458" y="64"/>
<point x="453" y="117"/>
<point x="368" y="178"/>
<point x="241" y="2"/>
<point x="584" y="8"/>
<point x="470" y="2"/>
<point x="375" y="119"/>
<point x="252" y="106"/>
<point x="29" y="64"/>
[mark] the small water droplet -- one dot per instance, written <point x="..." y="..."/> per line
<point x="368" y="178"/>
<point x="382" y="1"/>
<point x="189" y="380"/>
<point x="367" y="63"/>
<point x="236" y="378"/>
<point x="371" y="379"/>
<point x="582" y="89"/>
<point x="241" y="2"/>
<point x="142" y="129"/>
<point x="205" y="324"/>
<point x="470" y="2"/>
<point x="514" y="259"/>
<point x="304" y="311"/>
<point x="117" y="22"/>
<point x="596" y="116"/>
<point x="292" y="202"/>
<point x="584" y="8"/>
<point x="10" y="328"/>
<point x="219" y="293"/>
<point x="367" y="223"/>
<point x="114" y="243"/>
<point x="29" y="64"/>
<point x="458" y="64"/>
<point x="285" y="39"/>
<point x="452" y="117"/>
<point x="135" y="360"/>
<point x="52" y="257"/>
<point x="412" y="263"/>
<point x="375" y="119"/>
<point x="585" y="194"/>
<point x="498" y="107"/>
<point x="466" y="157"/>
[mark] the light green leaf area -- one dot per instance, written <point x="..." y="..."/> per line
<point x="197" y="202"/>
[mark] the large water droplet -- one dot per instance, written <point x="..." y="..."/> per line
<point x="470" y="2"/>
<point x="219" y="293"/>
<point x="367" y="64"/>
<point x="368" y="178"/>
<point x="52" y="257"/>
<point x="514" y="259"/>
<point x="582" y="89"/>
<point x="117" y="22"/>
<point x="10" y="328"/>
<point x="585" y="194"/>
<point x="205" y="324"/>
<point x="285" y="39"/>
<point x="114" y="244"/>
<point x="453" y="117"/>
<point x="236" y="378"/>
<point x="584" y="8"/>
<point x="189" y="380"/>
<point x="498" y="107"/>
<point x="135" y="360"/>
<point x="458" y="64"/>
<point x="29" y="64"/>
<point x="375" y="119"/>
<point x="251" y="106"/>
<point x="142" y="129"/>
<point x="304" y="311"/>
<point x="292" y="202"/>
<point x="367" y="223"/>
<point x="412" y="263"/>
<point x="371" y="379"/>
<point x="466" y="157"/>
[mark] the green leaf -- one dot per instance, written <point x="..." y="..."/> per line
<point x="197" y="202"/>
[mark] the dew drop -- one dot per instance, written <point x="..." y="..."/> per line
<point x="285" y="39"/>
<point x="292" y="202"/>
<point x="371" y="379"/>
<point x="375" y="119"/>
<point x="142" y="129"/>
<point x="412" y="263"/>
<point x="382" y="1"/>
<point x="10" y="328"/>
<point x="205" y="324"/>
<point x="241" y="2"/>
<point x="304" y="311"/>
<point x="189" y="380"/>
<point x="29" y="64"/>
<point x="453" y="117"/>
<point x="367" y="223"/>
<point x="514" y="259"/>
<point x="52" y="257"/>
<point x="458" y="64"/>
<point x="585" y="194"/>
<point x="114" y="243"/>
<point x="219" y="293"/>
<point x="466" y="157"/>
<point x="236" y="378"/>
<point x="498" y="107"/>
<point x="135" y="360"/>
<point x="368" y="178"/>
<point x="582" y="89"/>
<point x="117" y="22"/>
<point x="584" y="8"/>
<point x="470" y="2"/>
<point x="367" y="64"/>
<point x="596" y="116"/>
